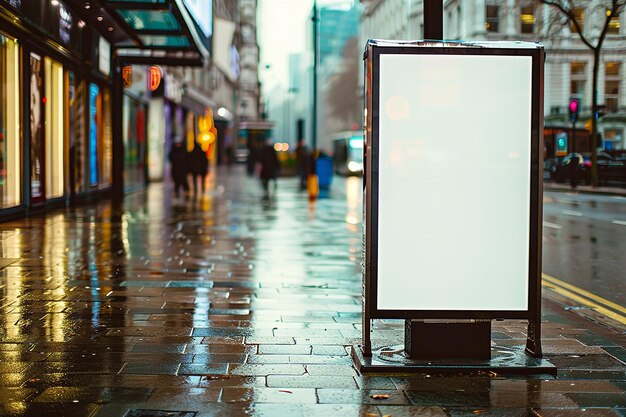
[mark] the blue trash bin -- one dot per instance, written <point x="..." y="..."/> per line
<point x="324" y="170"/>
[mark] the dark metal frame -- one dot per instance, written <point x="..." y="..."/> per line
<point x="371" y="185"/>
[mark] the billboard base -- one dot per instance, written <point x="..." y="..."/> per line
<point x="503" y="361"/>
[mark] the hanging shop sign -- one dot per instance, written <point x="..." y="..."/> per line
<point x="127" y="76"/>
<point x="155" y="77"/>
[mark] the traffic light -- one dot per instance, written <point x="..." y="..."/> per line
<point x="561" y="144"/>
<point x="574" y="107"/>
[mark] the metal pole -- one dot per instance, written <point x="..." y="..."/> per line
<point x="314" y="124"/>
<point x="433" y="19"/>
<point x="117" y="102"/>
<point x="574" y="136"/>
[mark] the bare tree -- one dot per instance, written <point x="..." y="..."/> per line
<point x="342" y="97"/>
<point x="594" y="40"/>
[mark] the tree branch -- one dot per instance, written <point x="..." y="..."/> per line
<point x="570" y="16"/>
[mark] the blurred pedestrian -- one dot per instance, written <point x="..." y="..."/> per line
<point x="302" y="163"/>
<point x="198" y="167"/>
<point x="269" y="165"/>
<point x="573" y="170"/>
<point x="178" y="161"/>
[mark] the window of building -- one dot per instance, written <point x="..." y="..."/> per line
<point x="579" y="15"/>
<point x="612" y="77"/>
<point x="492" y="18"/>
<point x="613" y="139"/>
<point x="10" y="143"/>
<point x="614" y="24"/>
<point x="578" y="79"/>
<point x="527" y="19"/>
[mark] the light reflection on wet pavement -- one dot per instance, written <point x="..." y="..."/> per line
<point x="236" y="305"/>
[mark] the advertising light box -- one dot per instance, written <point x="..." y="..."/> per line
<point x="452" y="181"/>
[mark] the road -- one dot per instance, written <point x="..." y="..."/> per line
<point x="584" y="242"/>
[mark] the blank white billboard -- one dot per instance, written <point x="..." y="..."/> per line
<point x="454" y="182"/>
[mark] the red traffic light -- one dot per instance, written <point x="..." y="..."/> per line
<point x="573" y="109"/>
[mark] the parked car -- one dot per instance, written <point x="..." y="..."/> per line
<point x="609" y="169"/>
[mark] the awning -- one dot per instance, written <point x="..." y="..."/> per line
<point x="158" y="31"/>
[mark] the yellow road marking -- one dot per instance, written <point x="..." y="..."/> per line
<point x="585" y="293"/>
<point x="585" y="297"/>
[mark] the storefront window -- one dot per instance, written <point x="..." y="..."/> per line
<point x="10" y="144"/>
<point x="94" y="93"/>
<point x="106" y="139"/>
<point x="134" y="142"/>
<point x="37" y="113"/>
<point x="77" y="135"/>
<point x="54" y="128"/>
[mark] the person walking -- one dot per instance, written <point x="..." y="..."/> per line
<point x="198" y="167"/>
<point x="302" y="163"/>
<point x="269" y="165"/>
<point x="178" y="161"/>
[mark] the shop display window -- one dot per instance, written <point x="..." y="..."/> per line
<point x="134" y="119"/>
<point x="106" y="139"/>
<point x="54" y="129"/>
<point x="77" y="134"/>
<point x="37" y="123"/>
<point x="94" y="95"/>
<point x="10" y="143"/>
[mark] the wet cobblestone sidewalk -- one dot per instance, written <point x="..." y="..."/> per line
<point x="236" y="305"/>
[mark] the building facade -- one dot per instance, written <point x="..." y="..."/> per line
<point x="569" y="63"/>
<point x="83" y="91"/>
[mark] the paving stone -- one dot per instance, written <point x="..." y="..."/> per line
<point x="448" y="383"/>
<point x="159" y="348"/>
<point x="29" y="409"/>
<point x="330" y="350"/>
<point x="203" y="369"/>
<point x="598" y="399"/>
<point x="588" y="362"/>
<point x="178" y="395"/>
<point x="269" y="395"/>
<point x="219" y="358"/>
<point x="157" y="413"/>
<point x="151" y="369"/>
<point x="13" y="367"/>
<point x="93" y="395"/>
<point x="13" y="379"/>
<point x="547" y="412"/>
<point x="220" y="349"/>
<point x="375" y="382"/>
<point x="331" y="370"/>
<point x="307" y="381"/>
<point x="79" y="367"/>
<point x="221" y="381"/>
<point x="349" y="396"/>
<point x="494" y="412"/>
<point x="269" y="340"/>
<point x="265" y="370"/>
<point x="8" y="395"/>
<point x="265" y="349"/>
<point x="568" y="346"/>
<point x="410" y="411"/>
